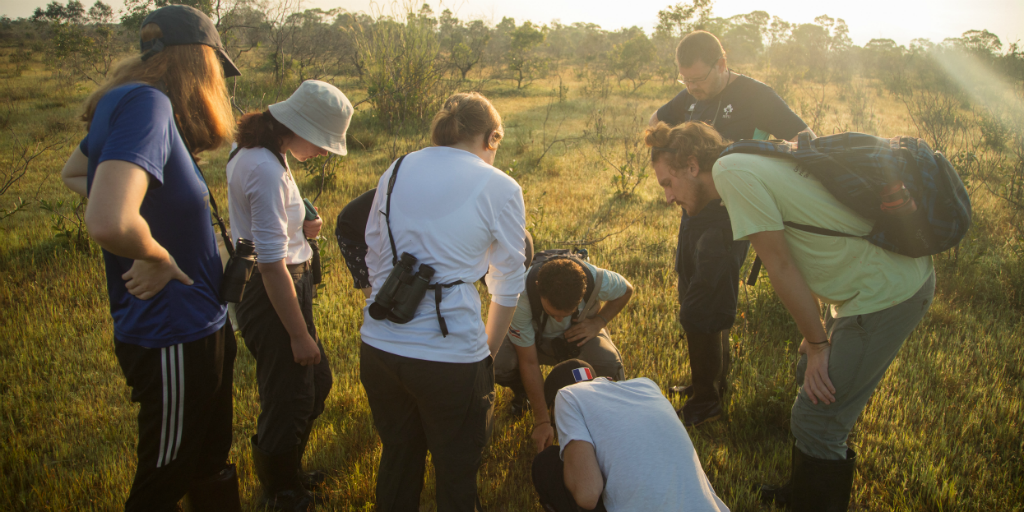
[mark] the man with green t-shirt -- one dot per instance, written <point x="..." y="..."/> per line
<point x="875" y="297"/>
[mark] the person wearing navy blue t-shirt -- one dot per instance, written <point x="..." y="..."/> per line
<point x="149" y="210"/>
<point x="708" y="261"/>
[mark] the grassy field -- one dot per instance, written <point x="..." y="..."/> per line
<point x="943" y="432"/>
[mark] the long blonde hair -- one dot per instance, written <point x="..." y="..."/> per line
<point x="192" y="77"/>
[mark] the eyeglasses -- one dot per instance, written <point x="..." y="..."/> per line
<point x="684" y="81"/>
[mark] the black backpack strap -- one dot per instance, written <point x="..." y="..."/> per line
<point x="540" y="318"/>
<point x="387" y="211"/>
<point x="755" y="268"/>
<point x="213" y="201"/>
<point x="819" y="231"/>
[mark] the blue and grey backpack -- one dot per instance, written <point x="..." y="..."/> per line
<point x="913" y="194"/>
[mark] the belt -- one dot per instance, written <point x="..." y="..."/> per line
<point x="296" y="269"/>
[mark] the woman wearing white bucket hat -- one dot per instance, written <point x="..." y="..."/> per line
<point x="276" y="310"/>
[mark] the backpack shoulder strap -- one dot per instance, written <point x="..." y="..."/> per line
<point x="536" y="310"/>
<point x="591" y="303"/>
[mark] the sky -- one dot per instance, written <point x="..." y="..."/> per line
<point x="900" y="20"/>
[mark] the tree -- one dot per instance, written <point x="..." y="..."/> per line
<point x="463" y="43"/>
<point x="634" y="60"/>
<point x="678" y="20"/>
<point x="523" y="63"/>
<point x="314" y="44"/>
<point x="101" y="13"/>
<point x="982" y="43"/>
<point x="137" y="10"/>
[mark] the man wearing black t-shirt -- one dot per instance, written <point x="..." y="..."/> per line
<point x="708" y="261"/>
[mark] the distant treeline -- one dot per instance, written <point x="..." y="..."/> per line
<point x="275" y="37"/>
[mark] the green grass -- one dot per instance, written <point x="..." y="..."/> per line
<point x="943" y="431"/>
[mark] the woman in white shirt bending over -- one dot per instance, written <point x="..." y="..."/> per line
<point x="276" y="311"/>
<point x="426" y="362"/>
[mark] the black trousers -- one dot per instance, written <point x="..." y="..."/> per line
<point x="292" y="396"/>
<point x="184" y="397"/>
<point x="422" y="405"/>
<point x="549" y="480"/>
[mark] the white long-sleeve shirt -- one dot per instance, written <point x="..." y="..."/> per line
<point x="266" y="207"/>
<point x="463" y="217"/>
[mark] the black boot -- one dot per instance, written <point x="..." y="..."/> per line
<point x="279" y="475"/>
<point x="815" y="485"/>
<point x="310" y="479"/>
<point x="686" y="390"/>
<point x="218" y="493"/>
<point x="519" y="403"/>
<point x="723" y="376"/>
<point x="822" y="485"/>
<point x="706" y="368"/>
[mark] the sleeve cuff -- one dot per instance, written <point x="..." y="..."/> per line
<point x="509" y="301"/>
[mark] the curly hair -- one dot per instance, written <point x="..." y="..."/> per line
<point x="563" y="283"/>
<point x="691" y="139"/>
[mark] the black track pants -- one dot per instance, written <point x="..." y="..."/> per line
<point x="184" y="393"/>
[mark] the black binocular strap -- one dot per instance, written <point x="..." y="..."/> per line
<point x="387" y="210"/>
<point x="438" y="287"/>
<point x="213" y="202"/>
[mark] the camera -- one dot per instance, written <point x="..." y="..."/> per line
<point x="238" y="271"/>
<point x="564" y="349"/>
<point x="402" y="291"/>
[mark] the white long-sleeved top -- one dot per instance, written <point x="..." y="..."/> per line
<point x="266" y="207"/>
<point x="463" y="217"/>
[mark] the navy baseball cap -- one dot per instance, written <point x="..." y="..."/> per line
<point x="182" y="24"/>
<point x="564" y="374"/>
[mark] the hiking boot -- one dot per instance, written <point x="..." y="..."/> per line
<point x="279" y="475"/>
<point x="696" y="413"/>
<point x="519" y="404"/>
<point x="217" y="493"/>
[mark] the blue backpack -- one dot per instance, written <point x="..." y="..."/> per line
<point x="914" y="196"/>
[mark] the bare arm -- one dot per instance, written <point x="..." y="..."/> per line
<point x="113" y="220"/>
<point x="587" y="328"/>
<point x="582" y="475"/>
<point x="75" y="172"/>
<point x="281" y="291"/>
<point x="791" y="287"/>
<point x="529" y="370"/>
<point x="808" y="130"/>
<point x="654" y="119"/>
<point x="498" y="319"/>
<point x="366" y="291"/>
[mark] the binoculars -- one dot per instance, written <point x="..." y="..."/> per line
<point x="402" y="291"/>
<point x="238" y="271"/>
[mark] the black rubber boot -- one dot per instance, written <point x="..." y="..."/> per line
<point x="815" y="485"/>
<point x="279" y="475"/>
<point x="686" y="390"/>
<point x="821" y="485"/>
<point x="310" y="479"/>
<point x="218" y="493"/>
<point x="706" y="369"/>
